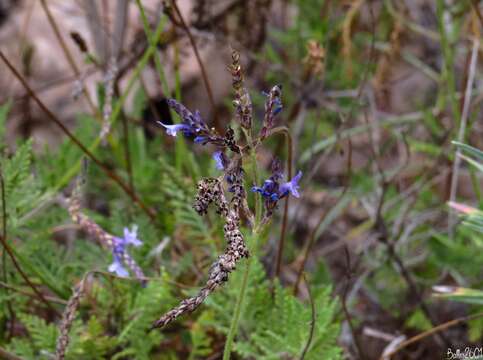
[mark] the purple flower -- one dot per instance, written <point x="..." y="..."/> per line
<point x="218" y="157"/>
<point x="272" y="191"/>
<point x="173" y="129"/>
<point x="119" y="252"/>
<point x="292" y="186"/>
<point x="117" y="268"/>
<point x="203" y="140"/>
<point x="274" y="103"/>
<point x="192" y="124"/>
<point x="131" y="237"/>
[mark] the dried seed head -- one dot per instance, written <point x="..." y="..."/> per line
<point x="205" y="195"/>
<point x="236" y="248"/>
<point x="230" y="142"/>
<point x="67" y="319"/>
<point x="242" y="102"/>
<point x="109" y="78"/>
<point x="210" y="190"/>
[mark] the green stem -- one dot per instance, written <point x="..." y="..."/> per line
<point x="241" y="295"/>
<point x="236" y="315"/>
<point x="253" y="155"/>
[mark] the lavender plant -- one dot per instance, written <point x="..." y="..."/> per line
<point x="227" y="192"/>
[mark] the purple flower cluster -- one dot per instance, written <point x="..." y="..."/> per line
<point x="192" y="126"/>
<point x="273" y="191"/>
<point x="117" y="245"/>
<point x="119" y="250"/>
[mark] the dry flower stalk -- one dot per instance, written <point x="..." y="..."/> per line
<point x="67" y="319"/>
<point x="211" y="191"/>
<point x="109" y="86"/>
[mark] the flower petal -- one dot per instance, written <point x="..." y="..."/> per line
<point x="117" y="268"/>
<point x="218" y="157"/>
<point x="173" y="129"/>
<point x="291" y="187"/>
<point x="201" y="140"/>
<point x="257" y="189"/>
<point x="131" y="237"/>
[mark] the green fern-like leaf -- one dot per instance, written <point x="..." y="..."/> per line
<point x="277" y="326"/>
<point x="42" y="335"/>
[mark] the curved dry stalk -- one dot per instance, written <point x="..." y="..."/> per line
<point x="312" y="321"/>
<point x="109" y="79"/>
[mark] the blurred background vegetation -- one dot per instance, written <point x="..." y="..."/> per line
<point x="384" y="103"/>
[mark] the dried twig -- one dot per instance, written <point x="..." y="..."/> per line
<point x="113" y="176"/>
<point x="312" y="322"/>
<point x="109" y="78"/>
<point x="430" y="332"/>
<point x="349" y="270"/>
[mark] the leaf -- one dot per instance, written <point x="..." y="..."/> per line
<point x="43" y="335"/>
<point x="470" y="150"/>
<point x="475" y="163"/>
<point x="275" y="326"/>
<point x="456" y="293"/>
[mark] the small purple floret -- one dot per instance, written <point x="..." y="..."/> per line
<point x="174" y="129"/>
<point x="292" y="186"/>
<point x="119" y="249"/>
<point x="217" y="156"/>
<point x="131" y="237"/>
<point x="117" y="268"/>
